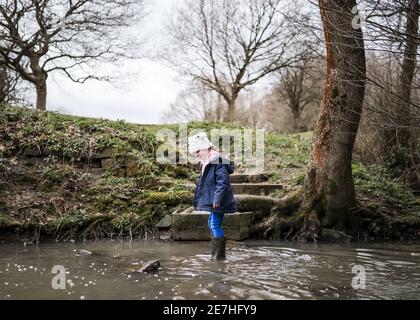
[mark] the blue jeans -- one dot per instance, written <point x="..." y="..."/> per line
<point x="215" y="224"/>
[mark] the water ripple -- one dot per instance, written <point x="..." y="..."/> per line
<point x="254" y="270"/>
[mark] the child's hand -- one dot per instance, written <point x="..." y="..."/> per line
<point x="216" y="205"/>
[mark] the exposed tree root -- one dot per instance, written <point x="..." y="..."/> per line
<point x="289" y="220"/>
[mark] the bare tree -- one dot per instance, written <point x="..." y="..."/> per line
<point x="300" y="87"/>
<point x="392" y="104"/>
<point x="392" y="36"/>
<point x="228" y="45"/>
<point x="42" y="36"/>
<point x="407" y="70"/>
<point x="386" y="37"/>
<point x="379" y="109"/>
<point x="250" y="108"/>
<point x="196" y="102"/>
<point x="8" y="82"/>
<point x="3" y="82"/>
<point x="329" y="187"/>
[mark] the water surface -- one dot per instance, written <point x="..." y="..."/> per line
<point x="253" y="270"/>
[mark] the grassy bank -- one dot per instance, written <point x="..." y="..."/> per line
<point x="73" y="177"/>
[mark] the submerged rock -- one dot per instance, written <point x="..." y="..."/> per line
<point x="86" y="253"/>
<point x="149" y="266"/>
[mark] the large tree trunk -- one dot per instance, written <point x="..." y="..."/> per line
<point x="219" y="108"/>
<point x="296" y="118"/>
<point x="230" y="116"/>
<point x="407" y="73"/>
<point x="40" y="82"/>
<point x="329" y="188"/>
<point x="3" y="83"/>
<point x="41" y="95"/>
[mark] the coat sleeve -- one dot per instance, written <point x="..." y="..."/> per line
<point x="222" y="178"/>
<point x="195" y="201"/>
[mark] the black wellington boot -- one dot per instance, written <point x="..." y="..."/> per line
<point x="213" y="248"/>
<point x="218" y="248"/>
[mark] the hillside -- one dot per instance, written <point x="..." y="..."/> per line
<point x="67" y="177"/>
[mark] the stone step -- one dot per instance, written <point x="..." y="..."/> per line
<point x="259" y="189"/>
<point x="260" y="204"/>
<point x="193" y="225"/>
<point x="247" y="178"/>
<point x="244" y="202"/>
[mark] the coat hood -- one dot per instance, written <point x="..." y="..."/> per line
<point x="230" y="165"/>
<point x="219" y="159"/>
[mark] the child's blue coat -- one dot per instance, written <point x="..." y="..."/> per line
<point x="214" y="188"/>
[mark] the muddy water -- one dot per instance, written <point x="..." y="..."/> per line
<point x="253" y="270"/>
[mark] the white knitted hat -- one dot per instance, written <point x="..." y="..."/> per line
<point x="198" y="142"/>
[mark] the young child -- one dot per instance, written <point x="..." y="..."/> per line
<point x="214" y="191"/>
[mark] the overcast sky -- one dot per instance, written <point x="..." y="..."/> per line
<point x="142" y="100"/>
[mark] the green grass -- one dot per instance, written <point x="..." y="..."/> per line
<point x="377" y="182"/>
<point x="72" y="137"/>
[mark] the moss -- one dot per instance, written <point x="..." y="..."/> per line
<point x="169" y="198"/>
<point x="109" y="202"/>
<point x="292" y="202"/>
<point x="260" y="204"/>
<point x="5" y="220"/>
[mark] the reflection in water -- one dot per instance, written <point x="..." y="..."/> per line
<point x="254" y="270"/>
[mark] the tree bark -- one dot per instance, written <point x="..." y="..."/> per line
<point x="296" y="119"/>
<point x="407" y="73"/>
<point x="329" y="188"/>
<point x="219" y="108"/>
<point x="230" y="116"/>
<point x="40" y="82"/>
<point x="41" y="95"/>
<point x="3" y="85"/>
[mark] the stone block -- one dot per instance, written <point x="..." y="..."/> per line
<point x="193" y="225"/>
<point x="259" y="189"/>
